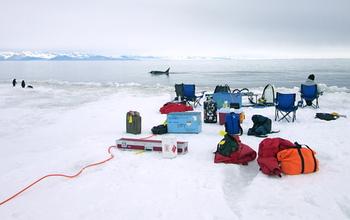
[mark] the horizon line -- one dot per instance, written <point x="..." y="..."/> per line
<point x="145" y="57"/>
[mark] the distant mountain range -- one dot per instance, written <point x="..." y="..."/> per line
<point x="30" y="56"/>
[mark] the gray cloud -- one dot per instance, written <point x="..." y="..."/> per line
<point x="222" y="27"/>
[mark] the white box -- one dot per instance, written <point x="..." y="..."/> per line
<point x="169" y="147"/>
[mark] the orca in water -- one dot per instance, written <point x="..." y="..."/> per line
<point x="160" y="72"/>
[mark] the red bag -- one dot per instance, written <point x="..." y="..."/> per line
<point x="174" y="107"/>
<point x="268" y="149"/>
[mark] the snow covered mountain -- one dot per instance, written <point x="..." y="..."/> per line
<point x="27" y="55"/>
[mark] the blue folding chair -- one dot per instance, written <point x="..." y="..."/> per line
<point x="309" y="94"/>
<point x="285" y="105"/>
<point x="188" y="92"/>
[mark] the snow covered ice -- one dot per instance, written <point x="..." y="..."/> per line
<point x="62" y="127"/>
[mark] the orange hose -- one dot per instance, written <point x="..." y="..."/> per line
<point x="148" y="137"/>
<point x="50" y="175"/>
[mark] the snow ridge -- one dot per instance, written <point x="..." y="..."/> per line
<point x="28" y="56"/>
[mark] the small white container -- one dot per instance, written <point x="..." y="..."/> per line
<point x="169" y="147"/>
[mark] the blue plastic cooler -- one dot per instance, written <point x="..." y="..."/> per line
<point x="221" y="97"/>
<point x="184" y="122"/>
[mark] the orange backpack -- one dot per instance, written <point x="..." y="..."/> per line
<point x="297" y="160"/>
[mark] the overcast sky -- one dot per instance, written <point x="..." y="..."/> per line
<point x="279" y="28"/>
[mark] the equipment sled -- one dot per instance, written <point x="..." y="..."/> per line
<point x="148" y="145"/>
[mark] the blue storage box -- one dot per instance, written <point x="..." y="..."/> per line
<point x="221" y="97"/>
<point x="184" y="122"/>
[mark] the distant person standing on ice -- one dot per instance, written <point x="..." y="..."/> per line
<point x="23" y="84"/>
<point x="14" y="82"/>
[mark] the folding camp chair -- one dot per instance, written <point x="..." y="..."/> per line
<point x="179" y="90"/>
<point x="309" y="94"/>
<point x="187" y="92"/>
<point x="285" y="105"/>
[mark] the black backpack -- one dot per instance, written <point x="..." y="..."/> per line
<point x="227" y="145"/>
<point x="261" y="127"/>
<point x="220" y="88"/>
<point x="160" y="129"/>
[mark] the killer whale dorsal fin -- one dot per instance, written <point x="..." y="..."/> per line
<point x="160" y="72"/>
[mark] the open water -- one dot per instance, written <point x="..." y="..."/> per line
<point x="203" y="73"/>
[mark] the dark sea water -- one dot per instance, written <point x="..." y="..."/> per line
<point x="204" y="73"/>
